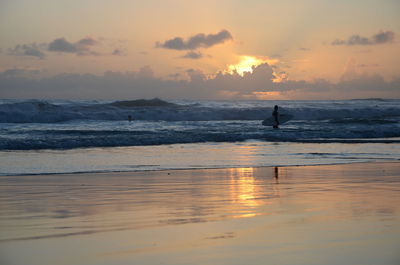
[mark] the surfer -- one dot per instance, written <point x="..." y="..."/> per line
<point x="275" y="114"/>
<point x="277" y="118"/>
<point x="129" y="118"/>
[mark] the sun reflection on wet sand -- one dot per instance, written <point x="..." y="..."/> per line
<point x="242" y="186"/>
<point x="197" y="216"/>
<point x="244" y="190"/>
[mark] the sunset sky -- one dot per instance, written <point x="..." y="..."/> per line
<point x="220" y="49"/>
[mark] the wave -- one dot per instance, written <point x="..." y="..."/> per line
<point x="372" y="99"/>
<point x="39" y="124"/>
<point x="215" y="132"/>
<point x="36" y="111"/>
<point x="372" y="121"/>
<point x="155" y="102"/>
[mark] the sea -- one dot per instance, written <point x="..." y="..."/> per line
<point x="87" y="136"/>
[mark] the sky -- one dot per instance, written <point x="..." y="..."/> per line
<point x="220" y="49"/>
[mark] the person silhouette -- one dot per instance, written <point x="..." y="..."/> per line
<point x="275" y="114"/>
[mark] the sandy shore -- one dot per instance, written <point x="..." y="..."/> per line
<point x="336" y="214"/>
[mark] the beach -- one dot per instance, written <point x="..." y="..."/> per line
<point x="323" y="214"/>
<point x="200" y="133"/>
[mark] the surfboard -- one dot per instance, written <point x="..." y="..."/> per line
<point x="283" y="118"/>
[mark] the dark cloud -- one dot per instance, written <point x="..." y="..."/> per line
<point x="88" y="41"/>
<point x="118" y="52"/>
<point x="193" y="55"/>
<point x="62" y="45"/>
<point x="17" y="73"/>
<point x="383" y="37"/>
<point x="33" y="50"/>
<point x="175" y="76"/>
<point x="81" y="47"/>
<point x="200" y="40"/>
<point x="379" y="38"/>
<point x="15" y="83"/>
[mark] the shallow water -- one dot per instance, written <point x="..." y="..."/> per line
<point x="337" y="214"/>
<point x="191" y="156"/>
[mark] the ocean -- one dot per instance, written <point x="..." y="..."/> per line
<point x="69" y="136"/>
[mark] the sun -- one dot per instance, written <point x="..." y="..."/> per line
<point x="246" y="64"/>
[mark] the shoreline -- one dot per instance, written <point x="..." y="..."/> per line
<point x="190" y="156"/>
<point x="197" y="169"/>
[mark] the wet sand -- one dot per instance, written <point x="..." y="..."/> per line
<point x="336" y="214"/>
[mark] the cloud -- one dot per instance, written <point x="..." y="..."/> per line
<point x="62" y="45"/>
<point x="380" y="38"/>
<point x="193" y="55"/>
<point x="362" y="65"/>
<point x="175" y="76"/>
<point x="353" y="68"/>
<point x="19" y="72"/>
<point x="33" y="50"/>
<point x="85" y="42"/>
<point x="197" y="41"/>
<point x="118" y="52"/>
<point x="16" y="83"/>
<point x="383" y="37"/>
<point x="81" y="47"/>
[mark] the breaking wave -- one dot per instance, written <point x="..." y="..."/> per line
<point x="35" y="111"/>
<point x="38" y="124"/>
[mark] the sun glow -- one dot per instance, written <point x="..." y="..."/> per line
<point x="247" y="63"/>
<point x="267" y="95"/>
